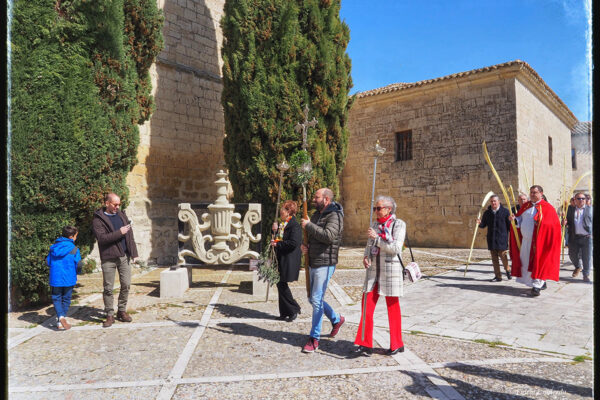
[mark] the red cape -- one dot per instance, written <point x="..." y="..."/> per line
<point x="544" y="257"/>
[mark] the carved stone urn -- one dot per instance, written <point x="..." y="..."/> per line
<point x="230" y="236"/>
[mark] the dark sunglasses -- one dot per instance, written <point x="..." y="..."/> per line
<point x="379" y="208"/>
<point x="579" y="198"/>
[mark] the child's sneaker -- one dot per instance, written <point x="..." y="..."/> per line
<point x="60" y="326"/>
<point x="64" y="323"/>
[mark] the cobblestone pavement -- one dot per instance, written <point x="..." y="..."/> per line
<point x="465" y="338"/>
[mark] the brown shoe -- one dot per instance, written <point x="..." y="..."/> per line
<point x="576" y="272"/>
<point x="109" y="321"/>
<point x="64" y="323"/>
<point x="123" y="316"/>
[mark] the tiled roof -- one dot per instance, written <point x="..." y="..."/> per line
<point x="521" y="65"/>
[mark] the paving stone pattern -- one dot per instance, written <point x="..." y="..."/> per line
<point x="465" y="338"/>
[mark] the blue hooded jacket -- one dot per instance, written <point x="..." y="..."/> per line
<point x="63" y="265"/>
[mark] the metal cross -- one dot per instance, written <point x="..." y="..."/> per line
<point x="302" y="127"/>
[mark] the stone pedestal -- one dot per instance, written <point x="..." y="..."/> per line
<point x="174" y="283"/>
<point x="259" y="288"/>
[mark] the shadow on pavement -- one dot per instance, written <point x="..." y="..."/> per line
<point x="547" y="388"/>
<point x="88" y="314"/>
<point x="231" y="311"/>
<point x="80" y="313"/>
<point x="488" y="288"/>
<point x="337" y="348"/>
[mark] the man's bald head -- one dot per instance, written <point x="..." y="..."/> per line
<point x="112" y="202"/>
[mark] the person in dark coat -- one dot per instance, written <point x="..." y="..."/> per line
<point x="117" y="248"/>
<point x="286" y="242"/>
<point x="495" y="218"/>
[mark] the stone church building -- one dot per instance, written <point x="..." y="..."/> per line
<point x="434" y="165"/>
<point x="432" y="129"/>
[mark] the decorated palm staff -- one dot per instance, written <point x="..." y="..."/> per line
<point x="377" y="152"/>
<point x="268" y="265"/>
<point x="302" y="172"/>
<point x="564" y="206"/>
<point x="503" y="189"/>
<point x="483" y="204"/>
<point x="282" y="167"/>
<point x="512" y="195"/>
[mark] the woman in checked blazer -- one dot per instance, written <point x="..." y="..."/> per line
<point x="384" y="276"/>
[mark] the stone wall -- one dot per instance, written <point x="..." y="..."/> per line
<point x="581" y="144"/>
<point x="440" y="190"/>
<point x="180" y="147"/>
<point x="536" y="122"/>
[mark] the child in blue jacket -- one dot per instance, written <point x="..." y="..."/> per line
<point x="62" y="260"/>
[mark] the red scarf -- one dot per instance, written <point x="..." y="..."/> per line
<point x="383" y="227"/>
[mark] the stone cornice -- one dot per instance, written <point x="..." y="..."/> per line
<point x="513" y="69"/>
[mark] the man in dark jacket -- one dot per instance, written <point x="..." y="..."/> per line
<point x="113" y="231"/>
<point x="495" y="218"/>
<point x="579" y="225"/>
<point x="324" y="230"/>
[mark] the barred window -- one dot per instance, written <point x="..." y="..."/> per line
<point x="549" y="150"/>
<point x="573" y="159"/>
<point x="404" y="146"/>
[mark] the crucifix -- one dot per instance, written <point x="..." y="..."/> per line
<point x="303" y="127"/>
<point x="303" y="172"/>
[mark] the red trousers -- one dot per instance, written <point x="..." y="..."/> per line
<point x="394" y="318"/>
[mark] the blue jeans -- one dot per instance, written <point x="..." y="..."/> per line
<point x="319" y="279"/>
<point x="580" y="248"/>
<point x="61" y="297"/>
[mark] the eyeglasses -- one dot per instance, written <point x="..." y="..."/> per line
<point x="379" y="208"/>
<point x="579" y="198"/>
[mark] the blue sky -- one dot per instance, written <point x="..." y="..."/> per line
<point x="411" y="40"/>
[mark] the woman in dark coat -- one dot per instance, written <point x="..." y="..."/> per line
<point x="287" y="242"/>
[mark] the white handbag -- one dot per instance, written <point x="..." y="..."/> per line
<point x="412" y="272"/>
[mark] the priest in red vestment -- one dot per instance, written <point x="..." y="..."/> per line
<point x="538" y="259"/>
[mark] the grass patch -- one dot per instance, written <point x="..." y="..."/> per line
<point x="578" y="359"/>
<point x="417" y="333"/>
<point x="495" y="343"/>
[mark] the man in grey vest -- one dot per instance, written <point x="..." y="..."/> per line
<point x="579" y="225"/>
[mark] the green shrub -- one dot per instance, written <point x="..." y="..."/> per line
<point x="89" y="266"/>
<point x="80" y="86"/>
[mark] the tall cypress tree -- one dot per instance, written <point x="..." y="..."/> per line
<point x="278" y="57"/>
<point x="80" y="87"/>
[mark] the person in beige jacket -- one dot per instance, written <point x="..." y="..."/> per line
<point x="383" y="277"/>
